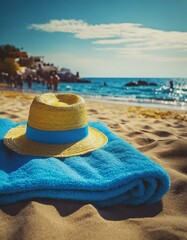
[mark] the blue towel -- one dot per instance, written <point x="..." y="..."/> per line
<point x="116" y="173"/>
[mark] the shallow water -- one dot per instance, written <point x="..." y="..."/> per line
<point x="115" y="90"/>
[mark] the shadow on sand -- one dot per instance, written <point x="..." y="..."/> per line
<point x="67" y="208"/>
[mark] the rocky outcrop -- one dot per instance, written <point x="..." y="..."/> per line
<point x="139" y="83"/>
<point x="68" y="77"/>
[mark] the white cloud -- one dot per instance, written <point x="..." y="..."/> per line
<point x="124" y="32"/>
<point x="71" y="26"/>
<point x="126" y="39"/>
<point x="83" y="30"/>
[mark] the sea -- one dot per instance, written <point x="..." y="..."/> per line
<point x="115" y="90"/>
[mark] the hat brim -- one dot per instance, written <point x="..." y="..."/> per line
<point x="16" y="140"/>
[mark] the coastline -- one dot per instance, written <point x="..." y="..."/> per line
<point x="139" y="111"/>
<point x="167" y="105"/>
<point x="140" y="103"/>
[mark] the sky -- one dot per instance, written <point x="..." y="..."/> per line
<point x="101" y="38"/>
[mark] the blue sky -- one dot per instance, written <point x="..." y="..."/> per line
<point x="121" y="38"/>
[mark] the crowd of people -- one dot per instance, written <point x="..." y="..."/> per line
<point x="16" y="80"/>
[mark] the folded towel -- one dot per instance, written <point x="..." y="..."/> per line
<point x="116" y="173"/>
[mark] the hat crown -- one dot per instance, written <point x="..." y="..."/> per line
<point x="55" y="112"/>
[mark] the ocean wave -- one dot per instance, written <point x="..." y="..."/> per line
<point x="175" y="105"/>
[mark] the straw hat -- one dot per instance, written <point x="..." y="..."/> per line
<point x="57" y="126"/>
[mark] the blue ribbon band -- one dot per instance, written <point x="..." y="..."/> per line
<point x="57" y="137"/>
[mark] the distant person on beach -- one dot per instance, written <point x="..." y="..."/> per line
<point x="15" y="80"/>
<point x="29" y="80"/>
<point x="20" y="81"/>
<point x="10" y="81"/>
<point x="171" y="84"/>
<point x="43" y="81"/>
<point x="49" y="82"/>
<point x="55" y="80"/>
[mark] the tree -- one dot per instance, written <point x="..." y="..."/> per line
<point x="8" y="66"/>
<point x="5" y="51"/>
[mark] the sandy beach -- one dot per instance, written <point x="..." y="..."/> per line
<point x="159" y="134"/>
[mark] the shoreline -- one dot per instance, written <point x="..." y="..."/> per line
<point x="178" y="106"/>
<point x="130" y="110"/>
<point x="167" y="105"/>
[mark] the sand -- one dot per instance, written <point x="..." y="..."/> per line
<point x="159" y="134"/>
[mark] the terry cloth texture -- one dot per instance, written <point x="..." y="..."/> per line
<point x="116" y="173"/>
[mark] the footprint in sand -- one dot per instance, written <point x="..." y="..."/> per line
<point x="103" y="118"/>
<point x="93" y="111"/>
<point x="123" y="121"/>
<point x="12" y="116"/>
<point x="147" y="127"/>
<point x="114" y="125"/>
<point x="144" y="141"/>
<point x="179" y="125"/>
<point x="174" y="149"/>
<point x="168" y="125"/>
<point x="3" y="113"/>
<point x="162" y="133"/>
<point x="157" y="121"/>
<point x="149" y="146"/>
<point x="183" y="134"/>
<point x="133" y="134"/>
